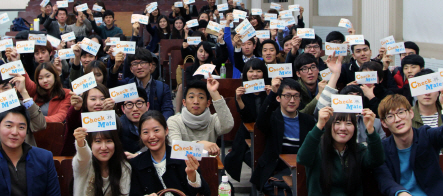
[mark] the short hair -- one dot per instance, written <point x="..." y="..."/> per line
<point x="252" y="40"/>
<point x="424" y="72"/>
<point x="6" y="82"/>
<point x="289" y="83"/>
<point x="48" y="47"/>
<point x="61" y="9"/>
<point x="142" y="93"/>
<point x="85" y="53"/>
<point x="392" y="102"/>
<point x="140" y="54"/>
<point x="96" y="64"/>
<point x="121" y="36"/>
<point x="413" y="46"/>
<point x="49" y="3"/>
<point x="273" y="11"/>
<point x="304" y="59"/>
<point x="374" y="66"/>
<point x="199" y="34"/>
<point x="198" y="84"/>
<point x="351" y="89"/>
<point x="335" y="35"/>
<point x="255" y="64"/>
<point x="317" y="40"/>
<point x="269" y="41"/>
<point x="287" y="38"/>
<point x="18" y="110"/>
<point x="108" y="13"/>
<point x="414" y="59"/>
<point x="366" y="43"/>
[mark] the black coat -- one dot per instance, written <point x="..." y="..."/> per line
<point x="145" y="179"/>
<point x="271" y="124"/>
<point x="216" y="60"/>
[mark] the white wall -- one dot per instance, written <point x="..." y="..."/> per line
<point x="15" y="4"/>
<point x="6" y="26"/>
<point x="422" y="21"/>
<point x="375" y="22"/>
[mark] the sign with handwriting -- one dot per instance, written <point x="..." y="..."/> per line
<point x="347" y="103"/>
<point x="99" y="121"/>
<point x="124" y="92"/>
<point x="181" y="149"/>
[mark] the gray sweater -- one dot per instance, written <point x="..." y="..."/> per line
<point x="83" y="30"/>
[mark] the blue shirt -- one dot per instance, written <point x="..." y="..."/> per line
<point x="291" y="137"/>
<point x="407" y="179"/>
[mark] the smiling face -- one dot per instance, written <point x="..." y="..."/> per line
<point x="202" y="55"/>
<point x="102" y="148"/>
<point x="290" y="105"/>
<point x="362" y="54"/>
<point x="95" y="100"/>
<point x="140" y="69"/>
<point x="134" y="109"/>
<point x="313" y="49"/>
<point x="153" y="135"/>
<point x="287" y="47"/>
<point x="46" y="79"/>
<point x="13" y="131"/>
<point x="196" y="101"/>
<point x="311" y="76"/>
<point x="86" y="59"/>
<point x="254" y="74"/>
<point x="342" y="131"/>
<point x="269" y="53"/>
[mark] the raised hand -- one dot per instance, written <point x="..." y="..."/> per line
<point x="386" y="60"/>
<point x="275" y="84"/>
<point x="77" y="50"/>
<point x="211" y="147"/>
<point x="220" y="38"/>
<point x="130" y="155"/>
<point x="239" y="92"/>
<point x="229" y="19"/>
<point x="368" y="91"/>
<point x="108" y="104"/>
<point x="42" y="9"/>
<point x="58" y="65"/>
<point x="351" y="31"/>
<point x="301" y="11"/>
<point x="119" y="58"/>
<point x="11" y="54"/>
<point x="334" y="63"/>
<point x="191" y="168"/>
<point x="323" y="116"/>
<point x="212" y="84"/>
<point x="296" y="42"/>
<point x="80" y="135"/>
<point x="237" y="41"/>
<point x="20" y="85"/>
<point x="368" y="119"/>
<point x="76" y="101"/>
<point x="136" y="29"/>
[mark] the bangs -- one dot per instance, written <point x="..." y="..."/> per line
<point x="102" y="135"/>
<point x="343" y="117"/>
<point x="392" y="103"/>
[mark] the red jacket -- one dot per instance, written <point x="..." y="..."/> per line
<point x="58" y="109"/>
<point x="399" y="80"/>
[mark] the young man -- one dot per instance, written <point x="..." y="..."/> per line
<point x="399" y="77"/>
<point x="140" y="64"/>
<point x="311" y="46"/>
<point x="46" y="11"/>
<point x="81" y="60"/>
<point x="411" y="155"/>
<point x="107" y="30"/>
<point x="211" y="7"/>
<point x="270" y="50"/>
<point x="361" y="53"/>
<point x="25" y="170"/>
<point x="410" y="65"/>
<point x="195" y="122"/>
<point x="337" y="37"/>
<point x="58" y="26"/>
<point x="243" y="52"/>
<point x="82" y="27"/>
<point x="284" y="127"/>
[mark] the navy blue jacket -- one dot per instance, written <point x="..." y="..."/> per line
<point x="424" y="161"/>
<point x="41" y="176"/>
<point x="129" y="136"/>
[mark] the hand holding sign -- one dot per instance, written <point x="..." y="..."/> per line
<point x="12" y="67"/>
<point x="191" y="167"/>
<point x="99" y="121"/>
<point x="323" y="116"/>
<point x="80" y="136"/>
<point x="366" y="77"/>
<point x="180" y="150"/>
<point x="8" y="100"/>
<point x="368" y="120"/>
<point x="76" y="101"/>
<point x="347" y="103"/>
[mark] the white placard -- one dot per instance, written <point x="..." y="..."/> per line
<point x="90" y="46"/>
<point x="99" y="121"/>
<point x="425" y="84"/>
<point x="25" y="47"/>
<point x="6" y="43"/>
<point x="326" y="74"/>
<point x="222" y="7"/>
<point x="395" y="48"/>
<point x="242" y="27"/>
<point x="54" y="41"/>
<point x="4" y="18"/>
<point x="124" y="93"/>
<point x="192" y="23"/>
<point x="82" y="7"/>
<point x="347" y="103"/>
<point x="44" y="3"/>
<point x="355" y="39"/>
<point x="236" y="20"/>
<point x="84" y="83"/>
<point x="178" y="4"/>
<point x="204" y="69"/>
<point x="39" y="39"/>
<point x="70" y="1"/>
<point x="257" y="12"/>
<point x="62" y="4"/>
<point x="68" y="36"/>
<point x="187" y="2"/>
<point x="263" y="34"/>
<point x="275" y="6"/>
<point x="306" y="33"/>
<point x="345" y="23"/>
<point x="151" y="7"/>
<point x="283" y="70"/>
<point x="127" y="47"/>
<point x="223" y="23"/>
<point x="98" y="20"/>
<point x="214" y="26"/>
<point x="289" y="21"/>
<point x="113" y="41"/>
<point x="143" y="19"/>
<point x="269" y="17"/>
<point x="12" y="67"/>
<point x="254" y="86"/>
<point x="387" y="40"/>
<point x="285" y="14"/>
<point x="366" y="77"/>
<point x="194" y="40"/>
<point x="340" y="49"/>
<point x="66" y="53"/>
<point x="239" y="14"/>
<point x="97" y="8"/>
<point x="273" y="24"/>
<point x="248" y="34"/>
<point x="180" y="150"/>
<point x="281" y="24"/>
<point x="294" y="8"/>
<point x="237" y="2"/>
<point x="221" y="16"/>
<point x="8" y="100"/>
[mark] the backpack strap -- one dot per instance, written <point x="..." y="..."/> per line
<point x="26" y="21"/>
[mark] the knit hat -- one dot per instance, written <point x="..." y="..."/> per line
<point x="413" y="60"/>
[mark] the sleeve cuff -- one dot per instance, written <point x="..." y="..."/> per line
<point x="197" y="183"/>
<point x="29" y="103"/>
<point x="401" y="191"/>
<point x="237" y="49"/>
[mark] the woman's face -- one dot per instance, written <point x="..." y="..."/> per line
<point x="254" y="74"/>
<point x="95" y="40"/>
<point x="46" y="79"/>
<point x="155" y="12"/>
<point x="178" y="25"/>
<point x="202" y="55"/>
<point x="95" y="100"/>
<point x="102" y="148"/>
<point x="153" y="135"/>
<point x="98" y="75"/>
<point x="203" y="17"/>
<point x="70" y="43"/>
<point x="163" y="23"/>
<point x="253" y="22"/>
<point x="342" y="131"/>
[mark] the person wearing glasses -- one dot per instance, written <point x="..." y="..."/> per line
<point x="140" y="64"/>
<point x="311" y="46"/>
<point x="285" y="129"/>
<point x="411" y="164"/>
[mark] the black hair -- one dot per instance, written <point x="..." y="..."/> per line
<point x="366" y="43"/>
<point x="49" y="3"/>
<point x="202" y="24"/>
<point x="100" y="52"/>
<point x="176" y="34"/>
<point x="273" y="11"/>
<point x="335" y="35"/>
<point x="269" y="41"/>
<point x="6" y="82"/>
<point x="289" y="83"/>
<point x="155" y="115"/>
<point x="287" y="38"/>
<point x="142" y="93"/>
<point x="414" y="59"/>
<point x="373" y="66"/>
<point x="351" y="89"/>
<point x="168" y="27"/>
<point x="255" y="64"/>
<point x="198" y="84"/>
<point x="100" y="87"/>
<point x="304" y="59"/>
<point x="199" y="34"/>
<point x="100" y="3"/>
<point x="207" y="47"/>
<point x="293" y="28"/>
<point x="317" y="40"/>
<point x="97" y="64"/>
<point x="61" y="9"/>
<point x="18" y="110"/>
<point x="108" y="13"/>
<point x="121" y="36"/>
<point x="85" y="53"/>
<point x="424" y="72"/>
<point x="140" y="54"/>
<point x="413" y="46"/>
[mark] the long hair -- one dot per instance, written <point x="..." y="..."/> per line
<point x="207" y="48"/>
<point x="176" y="34"/>
<point x="351" y="163"/>
<point x="56" y="91"/>
<point x="100" y="3"/>
<point x="160" y="32"/>
<point x="256" y="64"/>
<point x="96" y="64"/>
<point x="155" y="115"/>
<point x="115" y="163"/>
<point x="259" y="22"/>
<point x="154" y="19"/>
<point x="100" y="87"/>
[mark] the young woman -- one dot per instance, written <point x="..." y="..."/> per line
<point x="153" y="16"/>
<point x="248" y="106"/>
<point x="100" y="166"/>
<point x="177" y="28"/>
<point x="99" y="70"/>
<point x="99" y="14"/>
<point x="48" y="92"/>
<point x="256" y="22"/>
<point x="154" y="170"/>
<point x="332" y="156"/>
<point x="180" y="12"/>
<point x="101" y="53"/>
<point x="203" y="16"/>
<point x="159" y="32"/>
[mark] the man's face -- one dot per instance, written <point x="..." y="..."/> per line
<point x="140" y="69"/>
<point x="289" y="104"/>
<point x="5" y="86"/>
<point x="308" y="73"/>
<point x="211" y="2"/>
<point x="61" y="16"/>
<point x="247" y="48"/>
<point x="86" y="59"/>
<point x="109" y="20"/>
<point x="230" y="2"/>
<point x="42" y="56"/>
<point x="13" y="131"/>
<point x="362" y="54"/>
<point x="313" y="49"/>
<point x="80" y="17"/>
<point x="196" y="101"/>
<point x="428" y="99"/>
<point x="48" y="9"/>
<point x="134" y="109"/>
<point x="410" y="70"/>
<point x="407" y="53"/>
<point x="269" y="53"/>
<point x="399" y="126"/>
<point x="287" y="47"/>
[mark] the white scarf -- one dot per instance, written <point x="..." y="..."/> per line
<point x="194" y="122"/>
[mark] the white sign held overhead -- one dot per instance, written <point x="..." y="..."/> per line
<point x="66" y="53"/>
<point x="294" y="8"/>
<point x="425" y="84"/>
<point x="254" y="86"/>
<point x="222" y="7"/>
<point x="39" y="39"/>
<point x="82" y="7"/>
<point x="12" y="67"/>
<point x="339" y="49"/>
<point x="355" y="39"/>
<point x="264" y="34"/>
<point x="68" y="36"/>
<point x="204" y="69"/>
<point x="366" y="77"/>
<point x="387" y="40"/>
<point x="347" y="103"/>
<point x="283" y="70"/>
<point x="99" y="121"/>
<point x="345" y="23"/>
<point x="193" y="41"/>
<point x="306" y="33"/>
<point x="8" y="100"/>
<point x="124" y="92"/>
<point x="257" y="12"/>
<point x="269" y="17"/>
<point x="395" y="48"/>
<point x="84" y="83"/>
<point x="25" y="47"/>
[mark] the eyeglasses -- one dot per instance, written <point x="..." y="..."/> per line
<point x="401" y="113"/>
<point x="289" y="96"/>
<point x="142" y="63"/>
<point x="306" y="69"/>
<point x="407" y="54"/>
<point x="315" y="47"/>
<point x="138" y="104"/>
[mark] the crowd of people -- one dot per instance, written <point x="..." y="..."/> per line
<point x="294" y="114"/>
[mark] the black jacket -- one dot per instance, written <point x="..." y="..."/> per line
<point x="145" y="179"/>
<point x="129" y="136"/>
<point x="271" y="124"/>
<point x="380" y="93"/>
<point x="217" y="61"/>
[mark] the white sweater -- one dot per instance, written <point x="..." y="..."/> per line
<point x="84" y="174"/>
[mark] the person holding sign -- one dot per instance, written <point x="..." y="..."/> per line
<point x="331" y="143"/>
<point x="154" y="170"/>
<point x="210" y="7"/>
<point x="46" y="11"/>
<point x="107" y="30"/>
<point x="101" y="12"/>
<point x="311" y="46"/>
<point x="180" y="11"/>
<point x="81" y="28"/>
<point x="361" y="53"/>
<point x="26" y="169"/>
<point x="411" y="165"/>
<point x="158" y="32"/>
<point x="410" y="48"/>
<point x="154" y="15"/>
<point x="100" y="166"/>
<point x="99" y="70"/>
<point x="56" y="26"/>
<point x="337" y="37"/>
<point x="80" y="62"/>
